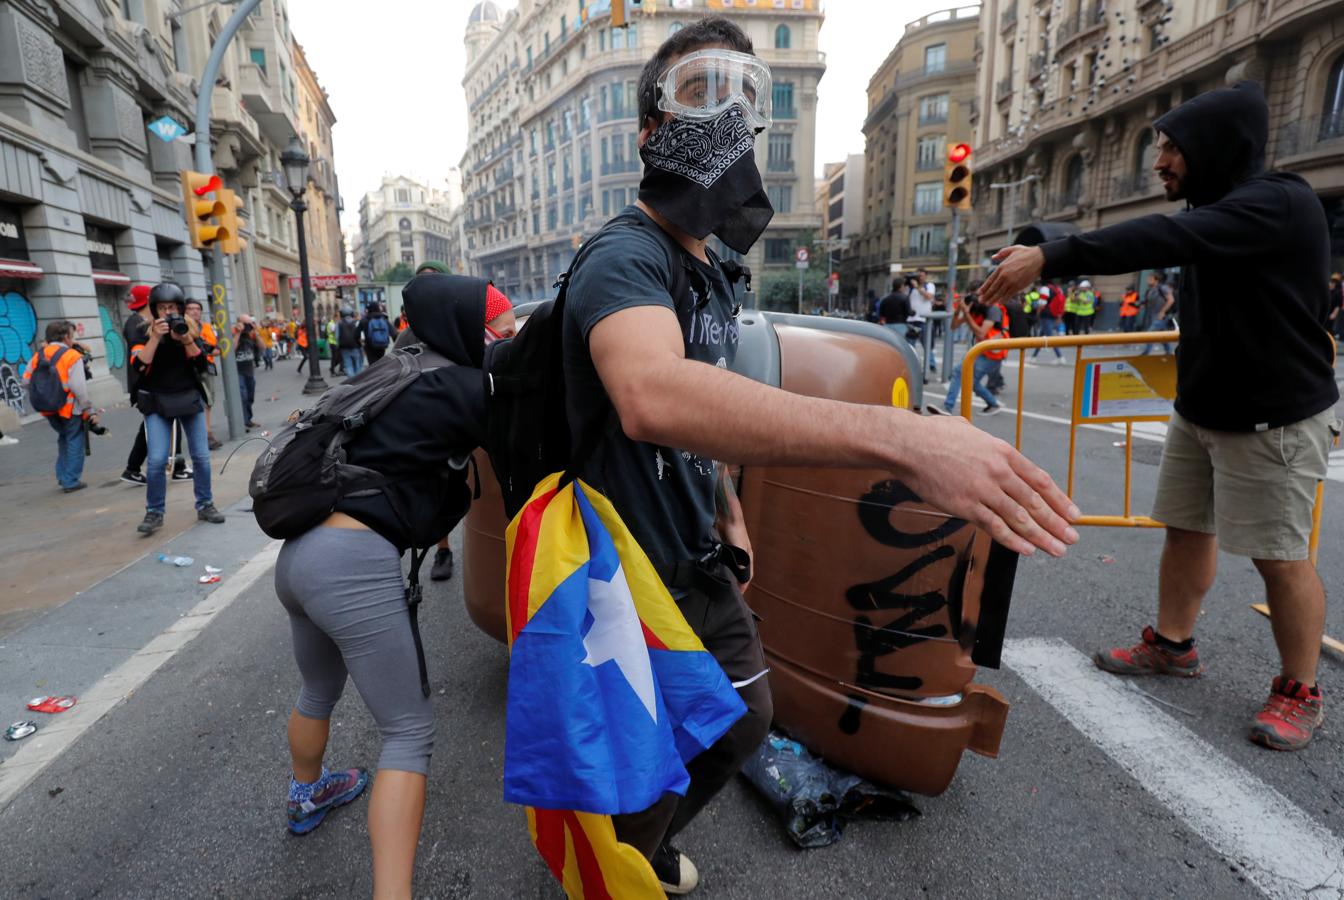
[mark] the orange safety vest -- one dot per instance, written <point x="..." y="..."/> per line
<point x="1129" y="304"/>
<point x="211" y="342"/>
<point x="994" y="333"/>
<point x="303" y="338"/>
<point x="63" y="366"/>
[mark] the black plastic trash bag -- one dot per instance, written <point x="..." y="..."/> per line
<point x="812" y="799"/>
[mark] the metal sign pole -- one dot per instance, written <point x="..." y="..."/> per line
<point x="221" y="310"/>
<point x="952" y="249"/>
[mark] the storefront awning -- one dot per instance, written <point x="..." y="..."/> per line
<point x="103" y="276"/>
<point x="325" y="282"/>
<point x="18" y="268"/>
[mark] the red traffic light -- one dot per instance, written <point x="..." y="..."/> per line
<point x="959" y="153"/>
<point x="214" y="184"/>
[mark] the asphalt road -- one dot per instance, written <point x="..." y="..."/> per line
<point x="179" y="790"/>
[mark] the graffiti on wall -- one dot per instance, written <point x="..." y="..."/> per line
<point x="902" y="609"/>
<point x="113" y="343"/>
<point x="18" y="327"/>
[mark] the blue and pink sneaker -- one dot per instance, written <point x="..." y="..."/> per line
<point x="310" y="803"/>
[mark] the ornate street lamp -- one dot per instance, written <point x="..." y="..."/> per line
<point x="295" y="162"/>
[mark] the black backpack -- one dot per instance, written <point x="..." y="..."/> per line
<point x="527" y="433"/>
<point x="300" y="477"/>
<point x="45" y="390"/>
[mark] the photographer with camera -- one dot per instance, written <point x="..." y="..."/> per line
<point x="57" y="388"/>
<point x="247" y="349"/>
<point x="170" y="366"/>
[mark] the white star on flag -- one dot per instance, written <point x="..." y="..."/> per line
<point x="618" y="636"/>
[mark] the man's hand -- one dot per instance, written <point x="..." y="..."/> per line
<point x="974" y="476"/>
<point x="159" y="328"/>
<point x="1019" y="267"/>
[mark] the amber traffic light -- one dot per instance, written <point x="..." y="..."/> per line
<point x="957" y="177"/>
<point x="230" y="231"/>
<point x="201" y="208"/>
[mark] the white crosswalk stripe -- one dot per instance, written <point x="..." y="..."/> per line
<point x="1283" y="851"/>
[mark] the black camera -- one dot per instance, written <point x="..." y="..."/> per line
<point x="95" y="428"/>
<point x="177" y="323"/>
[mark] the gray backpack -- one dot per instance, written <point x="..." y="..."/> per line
<point x="298" y="480"/>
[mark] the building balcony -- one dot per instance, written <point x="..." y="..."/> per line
<point x="1312" y="135"/>
<point x="1089" y="18"/>
<point x="926" y="209"/>
<point x="1036" y="67"/>
<point x="784" y="166"/>
<point x="1137" y="184"/>
<point x="935" y="249"/>
<point x="621" y="166"/>
<point x="932" y="119"/>
<point x="265" y="100"/>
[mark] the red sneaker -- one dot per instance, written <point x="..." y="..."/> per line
<point x="1289" y="717"/>
<point x="1149" y="658"/>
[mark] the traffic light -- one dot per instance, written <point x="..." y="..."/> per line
<point x="230" y="230"/>
<point x="957" y="177"/>
<point x="200" y="209"/>
<point x="618" y="18"/>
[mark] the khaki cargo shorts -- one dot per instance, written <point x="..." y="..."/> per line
<point x="1254" y="490"/>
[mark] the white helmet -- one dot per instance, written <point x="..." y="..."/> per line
<point x="1085" y="284"/>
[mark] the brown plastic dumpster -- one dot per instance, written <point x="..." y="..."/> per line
<point x="870" y="602"/>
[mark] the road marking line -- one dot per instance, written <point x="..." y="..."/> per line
<point x="55" y="738"/>
<point x="1282" y="850"/>
<point x="1143" y="433"/>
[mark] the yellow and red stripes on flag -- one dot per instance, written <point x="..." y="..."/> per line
<point x="551" y="519"/>
<point x="584" y="856"/>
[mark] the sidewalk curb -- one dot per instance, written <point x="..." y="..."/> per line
<point x="55" y="738"/>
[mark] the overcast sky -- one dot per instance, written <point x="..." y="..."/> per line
<point x="395" y="81"/>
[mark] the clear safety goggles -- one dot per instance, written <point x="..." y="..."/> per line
<point x="704" y="84"/>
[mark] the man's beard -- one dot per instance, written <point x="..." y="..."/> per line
<point x="1174" y="188"/>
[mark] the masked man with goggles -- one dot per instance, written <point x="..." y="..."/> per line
<point x="650" y="329"/>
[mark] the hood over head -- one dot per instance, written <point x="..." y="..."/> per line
<point x="433" y="265"/>
<point x="447" y="312"/>
<point x="1222" y="134"/>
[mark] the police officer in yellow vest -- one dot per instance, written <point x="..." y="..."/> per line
<point x="68" y="421"/>
<point x="1085" y="307"/>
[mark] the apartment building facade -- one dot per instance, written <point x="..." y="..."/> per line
<point x="920" y="101"/>
<point x="1069" y="93"/>
<point x="405" y="221"/>
<point x="551" y="92"/>
<point x="90" y="198"/>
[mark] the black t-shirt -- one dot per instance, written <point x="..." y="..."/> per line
<point x="894" y="308"/>
<point x="172" y="371"/>
<point x="665" y="495"/>
<point x="246" y="352"/>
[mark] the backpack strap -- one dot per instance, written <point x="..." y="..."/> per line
<point x="414" y="594"/>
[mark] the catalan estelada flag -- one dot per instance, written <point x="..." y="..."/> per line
<point x="610" y="691"/>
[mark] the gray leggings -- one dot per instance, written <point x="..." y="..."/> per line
<point x="343" y="591"/>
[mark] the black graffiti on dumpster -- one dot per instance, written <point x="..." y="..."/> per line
<point x="884" y="595"/>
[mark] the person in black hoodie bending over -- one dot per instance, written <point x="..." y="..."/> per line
<point x="342" y="586"/>
<point x="1255" y="393"/>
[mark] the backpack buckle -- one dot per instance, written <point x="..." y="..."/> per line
<point x="350" y="423"/>
<point x="414" y="593"/>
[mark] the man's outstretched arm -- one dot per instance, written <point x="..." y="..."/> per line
<point x="663" y="398"/>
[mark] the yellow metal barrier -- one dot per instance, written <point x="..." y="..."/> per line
<point x="1079" y="341"/>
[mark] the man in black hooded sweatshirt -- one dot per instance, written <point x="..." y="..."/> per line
<point x="1255" y="386"/>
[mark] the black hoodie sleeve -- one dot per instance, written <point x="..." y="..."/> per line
<point x="1242" y="224"/>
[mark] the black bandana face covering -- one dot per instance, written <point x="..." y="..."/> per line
<point x="702" y="177"/>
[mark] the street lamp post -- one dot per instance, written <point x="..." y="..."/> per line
<point x="295" y="162"/>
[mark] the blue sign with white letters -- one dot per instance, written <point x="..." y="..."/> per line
<point x="166" y="129"/>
